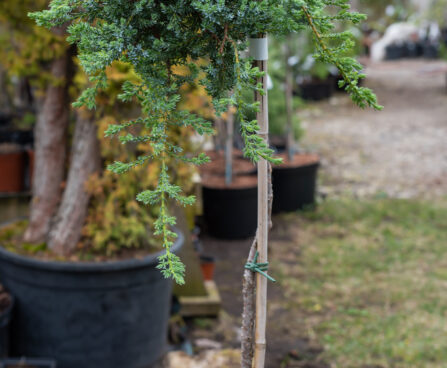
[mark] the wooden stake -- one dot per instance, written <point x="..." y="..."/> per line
<point x="263" y="226"/>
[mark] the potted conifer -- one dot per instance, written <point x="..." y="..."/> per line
<point x="67" y="266"/>
<point x="152" y="37"/>
<point x="294" y="180"/>
<point x="229" y="191"/>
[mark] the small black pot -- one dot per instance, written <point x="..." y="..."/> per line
<point x="89" y="315"/>
<point x="230" y="213"/>
<point x="431" y="50"/>
<point x="413" y="49"/>
<point x="5" y="321"/>
<point x="294" y="188"/>
<point x="395" y="52"/>
<point x="317" y="90"/>
<point x="22" y="137"/>
<point x="24" y="362"/>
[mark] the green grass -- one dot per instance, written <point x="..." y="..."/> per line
<point x="370" y="279"/>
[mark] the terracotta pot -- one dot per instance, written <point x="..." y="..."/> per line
<point x="12" y="168"/>
<point x="208" y="265"/>
<point x="30" y="153"/>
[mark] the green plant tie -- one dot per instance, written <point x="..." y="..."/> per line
<point x="259" y="267"/>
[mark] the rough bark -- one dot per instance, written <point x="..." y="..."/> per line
<point x="50" y="148"/>
<point x="248" y="312"/>
<point x="5" y="100"/>
<point x="85" y="160"/>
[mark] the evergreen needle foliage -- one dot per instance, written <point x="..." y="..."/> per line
<point x="155" y="36"/>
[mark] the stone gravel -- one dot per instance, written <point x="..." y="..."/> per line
<point x="399" y="152"/>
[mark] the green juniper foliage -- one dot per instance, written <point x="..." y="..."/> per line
<point x="154" y="36"/>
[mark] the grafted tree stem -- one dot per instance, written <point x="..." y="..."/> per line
<point x="50" y="149"/>
<point x="85" y="160"/>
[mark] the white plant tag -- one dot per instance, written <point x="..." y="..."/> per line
<point x="259" y="48"/>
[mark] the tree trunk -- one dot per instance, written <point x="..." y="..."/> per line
<point x="5" y="100"/>
<point x="85" y="160"/>
<point x="229" y="147"/>
<point x="289" y="101"/>
<point x="50" y="147"/>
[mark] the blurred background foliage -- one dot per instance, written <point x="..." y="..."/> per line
<point x="115" y="220"/>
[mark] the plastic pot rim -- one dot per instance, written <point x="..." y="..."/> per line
<point x="87" y="267"/>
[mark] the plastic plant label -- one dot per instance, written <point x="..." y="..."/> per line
<point x="259" y="48"/>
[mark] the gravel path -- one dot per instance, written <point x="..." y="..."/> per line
<point x="401" y="151"/>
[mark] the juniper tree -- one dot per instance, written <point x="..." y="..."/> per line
<point x="154" y="36"/>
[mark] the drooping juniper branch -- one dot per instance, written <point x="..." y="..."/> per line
<point x="248" y="311"/>
<point x="361" y="96"/>
<point x="149" y="34"/>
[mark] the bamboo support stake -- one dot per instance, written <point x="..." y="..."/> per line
<point x="263" y="225"/>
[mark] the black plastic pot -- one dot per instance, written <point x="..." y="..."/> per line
<point x="394" y="52"/>
<point x="89" y="315"/>
<point x="278" y="143"/>
<point x="413" y="49"/>
<point x="294" y="188"/>
<point x="431" y="50"/>
<point x="230" y="213"/>
<point x="28" y="363"/>
<point x="22" y="137"/>
<point x="5" y="321"/>
<point x="317" y="90"/>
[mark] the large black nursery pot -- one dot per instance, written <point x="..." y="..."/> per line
<point x="89" y="315"/>
<point x="28" y="363"/>
<point x="5" y="321"/>
<point x="230" y="212"/>
<point x="294" y="187"/>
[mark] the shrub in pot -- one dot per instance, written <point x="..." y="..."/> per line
<point x="294" y="180"/>
<point x="46" y="268"/>
<point x="316" y="84"/>
<point x="72" y="294"/>
<point x="229" y="191"/>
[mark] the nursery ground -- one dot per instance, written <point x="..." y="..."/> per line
<point x="400" y="151"/>
<point x="360" y="284"/>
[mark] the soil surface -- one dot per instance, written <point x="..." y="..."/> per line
<point x="400" y="151"/>
<point x="298" y="160"/>
<point x="288" y="345"/>
<point x="11" y="238"/>
<point x="239" y="181"/>
<point x="217" y="167"/>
